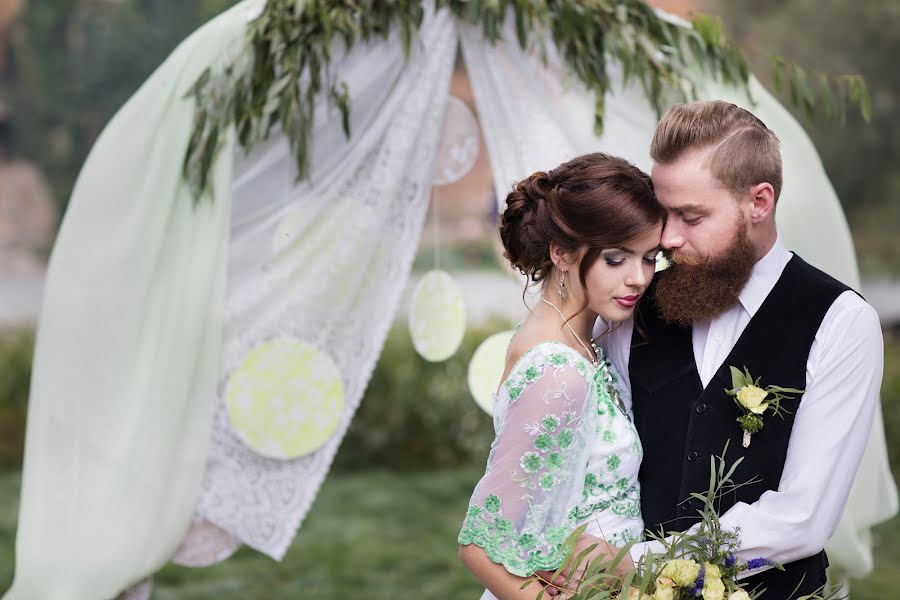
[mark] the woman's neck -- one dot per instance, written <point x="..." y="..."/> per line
<point x="582" y="323"/>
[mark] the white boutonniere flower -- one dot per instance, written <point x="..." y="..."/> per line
<point x="754" y="401"/>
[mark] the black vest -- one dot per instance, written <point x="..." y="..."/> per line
<point x="681" y="424"/>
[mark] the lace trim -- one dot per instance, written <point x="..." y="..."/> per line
<point x="520" y="554"/>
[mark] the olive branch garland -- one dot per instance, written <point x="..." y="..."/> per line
<point x="286" y="63"/>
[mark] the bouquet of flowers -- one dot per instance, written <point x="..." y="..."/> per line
<point x="698" y="563"/>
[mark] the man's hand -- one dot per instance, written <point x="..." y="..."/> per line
<point x="604" y="551"/>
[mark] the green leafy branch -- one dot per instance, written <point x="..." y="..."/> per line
<point x="809" y="89"/>
<point x="286" y="63"/>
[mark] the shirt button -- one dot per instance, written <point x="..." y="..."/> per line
<point x="719" y="337"/>
<point x="692" y="456"/>
<point x="701" y="408"/>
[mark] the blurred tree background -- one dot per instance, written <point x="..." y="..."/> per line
<point x="70" y="64"/>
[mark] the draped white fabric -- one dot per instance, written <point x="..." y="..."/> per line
<point x="534" y="116"/>
<point x="128" y="347"/>
<point x="151" y="303"/>
<point x="324" y="261"/>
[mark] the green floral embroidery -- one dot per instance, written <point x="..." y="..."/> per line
<point x="550" y="422"/>
<point x="520" y="554"/>
<point x="556" y="535"/>
<point x="613" y="462"/>
<point x="532" y="462"/>
<point x="590" y="480"/>
<point x="543" y="442"/>
<point x="558" y="359"/>
<point x="609" y="436"/>
<point x="554" y="461"/>
<point x="546" y="482"/>
<point x="515" y="392"/>
<point x="565" y="438"/>
<point x="531" y="373"/>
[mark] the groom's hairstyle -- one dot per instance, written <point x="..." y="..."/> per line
<point x="744" y="151"/>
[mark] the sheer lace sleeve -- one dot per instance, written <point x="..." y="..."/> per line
<point x="524" y="506"/>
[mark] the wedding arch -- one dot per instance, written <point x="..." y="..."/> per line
<point x="251" y="214"/>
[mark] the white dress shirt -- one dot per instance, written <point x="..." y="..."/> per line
<point x="831" y="427"/>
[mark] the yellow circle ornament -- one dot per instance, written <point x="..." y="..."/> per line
<point x="437" y="317"/>
<point x="486" y="369"/>
<point x="285" y="399"/>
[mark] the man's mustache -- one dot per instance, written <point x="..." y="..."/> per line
<point x="686" y="259"/>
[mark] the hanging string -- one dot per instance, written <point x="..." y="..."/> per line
<point x="435" y="215"/>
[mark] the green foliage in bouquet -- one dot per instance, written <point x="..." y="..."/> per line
<point x="286" y="62"/>
<point x="698" y="563"/>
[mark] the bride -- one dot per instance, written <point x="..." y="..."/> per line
<point x="566" y="452"/>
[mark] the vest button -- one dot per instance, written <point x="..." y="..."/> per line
<point x="701" y="408"/>
<point x="692" y="456"/>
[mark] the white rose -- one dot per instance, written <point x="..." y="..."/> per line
<point x="713" y="589"/>
<point x="751" y="397"/>
<point x="739" y="595"/>
<point x="666" y="592"/>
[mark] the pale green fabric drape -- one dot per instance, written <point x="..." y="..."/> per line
<point x="128" y="347"/>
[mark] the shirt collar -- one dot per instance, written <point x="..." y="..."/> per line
<point x="765" y="275"/>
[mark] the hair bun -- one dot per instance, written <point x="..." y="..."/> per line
<point x="522" y="230"/>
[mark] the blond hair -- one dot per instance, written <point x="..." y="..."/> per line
<point x="744" y="151"/>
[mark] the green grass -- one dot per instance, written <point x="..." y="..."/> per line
<point x="377" y="535"/>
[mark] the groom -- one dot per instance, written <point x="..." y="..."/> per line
<point x="736" y="297"/>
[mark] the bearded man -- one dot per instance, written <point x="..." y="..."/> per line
<point x="736" y="297"/>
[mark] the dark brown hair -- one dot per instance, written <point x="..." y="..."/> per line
<point x="745" y="151"/>
<point x="592" y="202"/>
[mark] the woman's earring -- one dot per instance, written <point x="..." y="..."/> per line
<point x="562" y="286"/>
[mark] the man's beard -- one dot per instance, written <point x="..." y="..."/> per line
<point x="695" y="289"/>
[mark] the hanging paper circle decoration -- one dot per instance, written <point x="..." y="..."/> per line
<point x="458" y="146"/>
<point x="486" y="369"/>
<point x="285" y="399"/>
<point x="437" y="317"/>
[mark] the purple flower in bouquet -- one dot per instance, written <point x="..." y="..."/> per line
<point x="757" y="563"/>
<point x="696" y="588"/>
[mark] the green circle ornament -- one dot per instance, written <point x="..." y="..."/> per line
<point x="486" y="369"/>
<point x="437" y="317"/>
<point x="285" y="399"/>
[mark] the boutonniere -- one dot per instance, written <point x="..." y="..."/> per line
<point x="754" y="400"/>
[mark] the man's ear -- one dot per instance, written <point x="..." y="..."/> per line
<point x="762" y="202"/>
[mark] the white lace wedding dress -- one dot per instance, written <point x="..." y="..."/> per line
<point x="564" y="454"/>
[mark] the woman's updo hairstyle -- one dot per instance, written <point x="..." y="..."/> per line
<point x="594" y="201"/>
